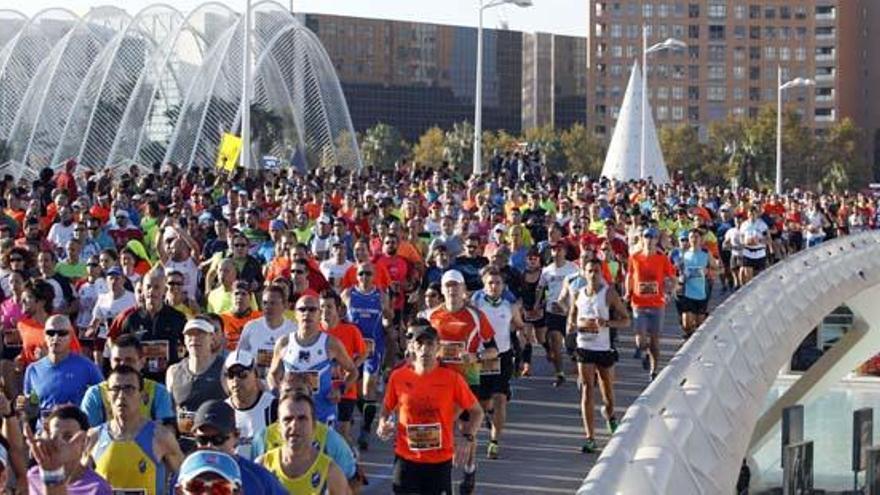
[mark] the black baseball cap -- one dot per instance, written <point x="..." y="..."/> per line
<point x="421" y="331"/>
<point x="217" y="414"/>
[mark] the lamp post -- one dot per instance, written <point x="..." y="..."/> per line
<point x="246" y="90"/>
<point x="668" y="44"/>
<point x="478" y="100"/>
<point x="794" y="83"/>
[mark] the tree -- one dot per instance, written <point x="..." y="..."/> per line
<point x="583" y="151"/>
<point x="429" y="150"/>
<point x="382" y="146"/>
<point x="459" y="146"/>
<point x="682" y="149"/>
<point x="547" y="141"/>
<point x="844" y="168"/>
<point x="499" y="141"/>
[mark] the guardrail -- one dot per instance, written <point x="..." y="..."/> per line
<point x="690" y="430"/>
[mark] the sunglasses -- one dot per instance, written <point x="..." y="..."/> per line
<point x="16" y="260"/>
<point x="56" y="333"/>
<point x="120" y="219"/>
<point x="175" y="284"/>
<point x="240" y="245"/>
<point x="240" y="374"/>
<point x="298" y="272"/>
<point x="365" y="274"/>
<point x="215" y="440"/>
<point x="215" y="487"/>
<point x="307" y="309"/>
<point x="92" y="265"/>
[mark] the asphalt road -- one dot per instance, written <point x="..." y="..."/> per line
<point x="540" y="447"/>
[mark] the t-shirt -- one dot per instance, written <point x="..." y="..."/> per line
<point x="398" y="269"/>
<point x="88" y="293"/>
<point x="233" y="324"/>
<point x="552" y="278"/>
<point x="646" y="274"/>
<point x="59" y="383"/>
<point x="158" y="406"/>
<point x="694" y="265"/>
<point x="354" y="344"/>
<point x="334" y="272"/>
<point x="427" y="410"/>
<point x="252" y="421"/>
<point x="461" y="332"/>
<point x="753" y="236"/>
<point x="258" y="339"/>
<point x="33" y="341"/>
<point x="107" y="308"/>
<point x="190" y="272"/>
<point x="381" y="278"/>
<point x="87" y="484"/>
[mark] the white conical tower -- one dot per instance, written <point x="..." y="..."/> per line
<point x="623" y="159"/>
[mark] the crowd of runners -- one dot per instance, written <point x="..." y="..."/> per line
<point x="194" y="331"/>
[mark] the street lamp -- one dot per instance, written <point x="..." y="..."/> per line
<point x="478" y="103"/>
<point x="668" y="44"/>
<point x="794" y="83"/>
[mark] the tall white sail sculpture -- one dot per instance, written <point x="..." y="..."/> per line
<point x="623" y="161"/>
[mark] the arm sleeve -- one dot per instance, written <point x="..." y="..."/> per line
<point x="341" y="453"/>
<point x="93" y="406"/>
<point x="162" y="408"/>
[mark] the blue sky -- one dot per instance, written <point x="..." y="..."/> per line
<point x="555" y="16"/>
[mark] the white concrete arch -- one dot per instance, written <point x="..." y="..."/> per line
<point x="690" y="430"/>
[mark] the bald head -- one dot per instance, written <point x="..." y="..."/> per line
<point x="307" y="313"/>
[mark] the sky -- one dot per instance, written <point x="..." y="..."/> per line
<point x="553" y="16"/>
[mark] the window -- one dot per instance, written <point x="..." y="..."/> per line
<point x="717" y="53"/>
<point x="693" y="114"/>
<point x="753" y="112"/>
<point x="770" y="13"/>
<point x="630" y="51"/>
<point x="615" y="92"/>
<point x="694" y="32"/>
<point x="716" y="33"/>
<point x="801" y="33"/>
<point x="678" y="72"/>
<point x="784" y="33"/>
<point x="754" y="11"/>
<point x="800" y="54"/>
<point x="739" y="12"/>
<point x="739" y="32"/>
<point x="677" y="31"/>
<point x="769" y="32"/>
<point x="616" y="30"/>
<point x="784" y="53"/>
<point x="738" y="94"/>
<point x="800" y="13"/>
<point x="678" y="9"/>
<point x="739" y="53"/>
<point x="716" y="11"/>
<point x="616" y="70"/>
<point x="616" y="51"/>
<point x="785" y="12"/>
<point x="754" y="32"/>
<point x="662" y="93"/>
<point x="754" y="73"/>
<point x="647" y="10"/>
<point x="738" y="112"/>
<point x="715" y="93"/>
<point x="662" y="112"/>
<point x="615" y="111"/>
<point x="693" y="92"/>
<point x="677" y="113"/>
<point x="739" y="72"/>
<point x="600" y="92"/>
<point x="769" y="53"/>
<point x="633" y="31"/>
<point x="694" y="52"/>
<point x="754" y="94"/>
<point x="663" y="10"/>
<point x="677" y="93"/>
<point x="693" y="10"/>
<point x="663" y="31"/>
<point x="715" y="72"/>
<point x="754" y="53"/>
<point x="694" y="72"/>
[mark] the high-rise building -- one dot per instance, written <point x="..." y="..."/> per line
<point x="730" y="64"/>
<point x="554" y="81"/>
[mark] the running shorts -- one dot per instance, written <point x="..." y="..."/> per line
<point x="421" y="478"/>
<point x="555" y="322"/>
<point x="648" y="320"/>
<point x="500" y="383"/>
<point x="602" y="359"/>
<point x="345" y="410"/>
<point x="695" y="306"/>
<point x="756" y="264"/>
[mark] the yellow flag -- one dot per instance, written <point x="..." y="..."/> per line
<point x="227" y="152"/>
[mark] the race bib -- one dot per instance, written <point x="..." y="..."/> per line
<point x="128" y="491"/>
<point x="103" y="330"/>
<point x="11" y="338"/>
<point x="312" y="379"/>
<point x="185" y="421"/>
<point x="490" y="366"/>
<point x="588" y="325"/>
<point x="371" y="346"/>
<point x="648" y="288"/>
<point x="423" y="437"/>
<point x="264" y="358"/>
<point x="156" y="355"/>
<point x="452" y="351"/>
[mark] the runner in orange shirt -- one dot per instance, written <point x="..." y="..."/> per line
<point x="241" y="313"/>
<point x="648" y="277"/>
<point x="330" y="306"/>
<point x="362" y="255"/>
<point x="428" y="398"/>
<point x="463" y="330"/>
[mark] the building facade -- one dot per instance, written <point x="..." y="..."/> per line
<point x="730" y="64"/>
<point x="554" y="80"/>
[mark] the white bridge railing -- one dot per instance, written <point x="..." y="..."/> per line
<point x="690" y="430"/>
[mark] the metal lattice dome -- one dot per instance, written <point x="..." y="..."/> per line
<point x="110" y="88"/>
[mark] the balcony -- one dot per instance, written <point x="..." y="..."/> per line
<point x="826" y="16"/>
<point x="824" y="78"/>
<point x="825" y="57"/>
<point x="825" y="117"/>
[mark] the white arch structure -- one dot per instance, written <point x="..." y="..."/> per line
<point x="690" y="430"/>
<point x="111" y="88"/>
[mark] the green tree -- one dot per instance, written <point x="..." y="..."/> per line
<point x="499" y="141"/>
<point x="429" y="150"/>
<point x="583" y="151"/>
<point x="547" y="140"/>
<point x="459" y="146"/>
<point x="682" y="149"/>
<point x="843" y="166"/>
<point x="382" y="146"/>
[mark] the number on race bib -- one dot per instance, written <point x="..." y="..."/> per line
<point x="424" y="437"/>
<point x="156" y="355"/>
<point x="490" y="366"/>
<point x="648" y="288"/>
<point x="371" y="347"/>
<point x="452" y="351"/>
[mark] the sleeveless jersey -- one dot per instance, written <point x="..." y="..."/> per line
<point x="595" y="306"/>
<point x="252" y="421"/>
<point x="499" y="314"/>
<point x="314" y="362"/>
<point x="130" y="466"/>
<point x="312" y="482"/>
<point x="365" y="311"/>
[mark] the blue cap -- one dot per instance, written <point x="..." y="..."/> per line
<point x="683" y="235"/>
<point x="115" y="270"/>
<point x="277" y="224"/>
<point x="651" y="232"/>
<point x="206" y="217"/>
<point x="209" y="461"/>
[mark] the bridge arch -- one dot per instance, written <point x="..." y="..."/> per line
<point x="691" y="428"/>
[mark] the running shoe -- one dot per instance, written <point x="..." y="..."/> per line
<point x="492" y="450"/>
<point x="363" y="440"/>
<point x="560" y="379"/>
<point x="653" y="375"/>
<point x="467" y="485"/>
<point x="611" y="423"/>
<point x="589" y="446"/>
<point x="638" y="353"/>
<point x="646" y="362"/>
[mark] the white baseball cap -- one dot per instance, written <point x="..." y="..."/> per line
<point x="452" y="276"/>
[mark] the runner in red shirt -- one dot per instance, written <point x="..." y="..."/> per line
<point x="427" y="397"/>
<point x="399" y="272"/>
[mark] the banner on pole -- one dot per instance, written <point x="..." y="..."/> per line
<point x="227" y="152"/>
<point x="271" y="162"/>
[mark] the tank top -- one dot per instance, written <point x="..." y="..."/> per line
<point x="313" y="361"/>
<point x="593" y="306"/>
<point x="190" y="391"/>
<point x="252" y="421"/>
<point x="529" y="292"/>
<point x="365" y="311"/>
<point x="499" y="314"/>
<point x="312" y="482"/>
<point x="130" y="466"/>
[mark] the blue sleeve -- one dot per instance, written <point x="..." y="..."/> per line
<point x="162" y="409"/>
<point x="258" y="443"/>
<point x="338" y="450"/>
<point x="96" y="377"/>
<point x="93" y="406"/>
<point x="508" y="295"/>
<point x="28" y="386"/>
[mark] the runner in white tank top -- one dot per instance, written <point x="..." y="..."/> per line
<point x="591" y="317"/>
